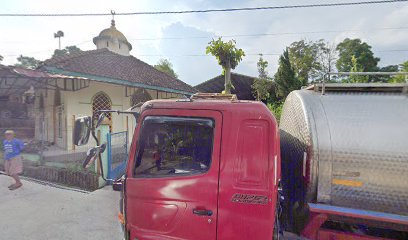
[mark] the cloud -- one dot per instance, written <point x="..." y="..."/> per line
<point x="34" y="36"/>
<point x="187" y="54"/>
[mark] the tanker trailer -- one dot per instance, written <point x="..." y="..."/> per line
<point x="344" y="151"/>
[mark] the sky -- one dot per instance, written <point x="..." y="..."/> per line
<point x="182" y="39"/>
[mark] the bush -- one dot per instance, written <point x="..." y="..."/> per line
<point x="276" y="109"/>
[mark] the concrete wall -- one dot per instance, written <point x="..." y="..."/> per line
<point x="47" y="115"/>
<point x="113" y="45"/>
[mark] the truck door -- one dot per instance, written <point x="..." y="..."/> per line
<point x="172" y="186"/>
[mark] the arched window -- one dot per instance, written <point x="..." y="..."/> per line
<point x="101" y="101"/>
<point x="139" y="96"/>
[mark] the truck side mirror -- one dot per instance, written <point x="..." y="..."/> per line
<point x="82" y="130"/>
<point x="92" y="154"/>
<point x="100" y="120"/>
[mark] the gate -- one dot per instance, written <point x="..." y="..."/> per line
<point x="117" y="146"/>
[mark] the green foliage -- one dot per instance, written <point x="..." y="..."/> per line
<point x="262" y="88"/>
<point x="400" y="78"/>
<point x="262" y="65"/>
<point x="327" y="60"/>
<point x="27" y="62"/>
<point x="66" y="51"/>
<point x="285" y="77"/>
<point x="361" y="51"/>
<point x="165" y="66"/>
<point x="312" y="59"/>
<point x="304" y="60"/>
<point x="357" y="68"/>
<point x="276" y="109"/>
<point x="262" y="85"/>
<point x="227" y="54"/>
<point x="389" y="68"/>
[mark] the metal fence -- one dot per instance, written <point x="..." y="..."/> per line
<point x="117" y="147"/>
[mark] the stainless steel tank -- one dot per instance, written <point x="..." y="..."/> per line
<point x="346" y="148"/>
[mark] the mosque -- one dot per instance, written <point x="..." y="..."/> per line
<point x="106" y="78"/>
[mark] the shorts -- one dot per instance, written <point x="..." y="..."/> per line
<point x="14" y="165"/>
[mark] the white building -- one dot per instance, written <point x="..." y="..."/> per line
<point x="106" y="78"/>
<point x="113" y="40"/>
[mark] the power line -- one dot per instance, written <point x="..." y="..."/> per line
<point x="269" y="34"/>
<point x="204" y="55"/>
<point x="234" y="36"/>
<point x="43" y="51"/>
<point x="248" y="35"/>
<point x="247" y="54"/>
<point x="394" y="50"/>
<point x="199" y="11"/>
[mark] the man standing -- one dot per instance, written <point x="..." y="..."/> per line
<point x="12" y="159"/>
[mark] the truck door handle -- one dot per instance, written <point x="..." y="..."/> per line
<point x="202" y="212"/>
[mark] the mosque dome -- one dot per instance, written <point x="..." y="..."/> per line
<point x="114" y="40"/>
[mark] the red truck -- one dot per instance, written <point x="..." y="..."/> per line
<point x="209" y="168"/>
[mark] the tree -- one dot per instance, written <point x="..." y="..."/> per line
<point x="165" y="66"/>
<point x="327" y="59"/>
<point x="276" y="109"/>
<point x="262" y="85"/>
<point x="27" y="62"/>
<point x="357" y="68"/>
<point x="400" y="78"/>
<point x="361" y="52"/>
<point x="385" y="78"/>
<point x="285" y="77"/>
<point x="304" y="59"/>
<point x="311" y="60"/>
<point x="66" y="51"/>
<point x="228" y="56"/>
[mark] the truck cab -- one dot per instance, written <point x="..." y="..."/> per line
<point x="202" y="169"/>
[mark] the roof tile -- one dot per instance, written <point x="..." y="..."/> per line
<point x="105" y="63"/>
<point x="242" y="86"/>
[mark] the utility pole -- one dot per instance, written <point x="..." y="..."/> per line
<point x="59" y="35"/>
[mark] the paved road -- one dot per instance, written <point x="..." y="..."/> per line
<point x="42" y="212"/>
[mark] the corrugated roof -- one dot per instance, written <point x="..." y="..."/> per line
<point x="17" y="80"/>
<point x="107" y="64"/>
<point x="30" y="73"/>
<point x="242" y="86"/>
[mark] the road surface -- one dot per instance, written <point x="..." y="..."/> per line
<point x="42" y="212"/>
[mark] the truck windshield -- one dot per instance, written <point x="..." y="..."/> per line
<point x="171" y="146"/>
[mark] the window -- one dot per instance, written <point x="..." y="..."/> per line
<point x="171" y="146"/>
<point x="107" y="44"/>
<point x="101" y="101"/>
